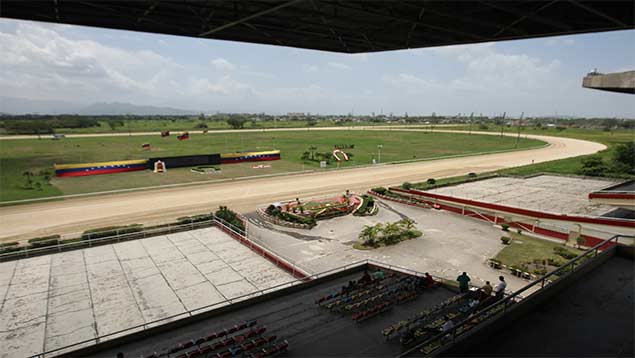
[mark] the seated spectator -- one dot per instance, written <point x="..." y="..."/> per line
<point x="486" y="291"/>
<point x="366" y="278"/>
<point x="351" y="285"/>
<point x="428" y="281"/>
<point x="378" y="275"/>
<point x="448" y="325"/>
<point x="500" y="288"/>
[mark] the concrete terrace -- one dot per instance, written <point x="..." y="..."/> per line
<point x="546" y="193"/>
<point x="450" y="244"/>
<point x="52" y="301"/>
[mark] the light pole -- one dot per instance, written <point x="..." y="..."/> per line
<point x="379" y="153"/>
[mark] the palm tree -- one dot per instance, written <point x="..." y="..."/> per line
<point x="369" y="234"/>
<point x="407" y="223"/>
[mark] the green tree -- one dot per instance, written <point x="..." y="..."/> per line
<point x="236" y="122"/>
<point x="593" y="166"/>
<point x="624" y="158"/>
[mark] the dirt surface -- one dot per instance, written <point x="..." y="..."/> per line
<point x="78" y="214"/>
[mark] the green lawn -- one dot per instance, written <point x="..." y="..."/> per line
<point x="562" y="166"/>
<point x="524" y="250"/>
<point x="18" y="156"/>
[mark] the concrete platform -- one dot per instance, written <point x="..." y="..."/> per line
<point x="52" y="301"/>
<point x="450" y="244"/>
<point x="546" y="193"/>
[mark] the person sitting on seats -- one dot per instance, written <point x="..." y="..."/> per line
<point x="366" y="279"/>
<point x="378" y="275"/>
<point x="428" y="281"/>
<point x="486" y="291"/>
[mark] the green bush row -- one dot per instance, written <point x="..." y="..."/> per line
<point x="44" y="238"/>
<point x="111" y="231"/>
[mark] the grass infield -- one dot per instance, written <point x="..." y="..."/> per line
<point x="36" y="156"/>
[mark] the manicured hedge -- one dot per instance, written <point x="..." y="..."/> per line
<point x="8" y="244"/>
<point x="194" y="218"/>
<point x="111" y="231"/>
<point x="44" y="238"/>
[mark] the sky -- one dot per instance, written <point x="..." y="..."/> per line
<point x="540" y="77"/>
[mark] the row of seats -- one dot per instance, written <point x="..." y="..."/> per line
<point x="218" y="334"/>
<point x="400" y="281"/>
<point x="384" y="295"/>
<point x="360" y="288"/>
<point x="271" y="351"/>
<point x="395" y="328"/>
<point x="245" y="347"/>
<point x="224" y="333"/>
<point x="360" y="316"/>
<point x="232" y="343"/>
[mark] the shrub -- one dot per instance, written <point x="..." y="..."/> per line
<point x="406" y="185"/>
<point x="593" y="166"/>
<point x="555" y="262"/>
<point x="270" y="209"/>
<point x="505" y="227"/>
<point x="194" y="219"/>
<point x="43" y="243"/>
<point x="431" y="181"/>
<point x="380" y="190"/>
<point x="472" y="175"/>
<point x="540" y="271"/>
<point x="580" y="241"/>
<point x="230" y="217"/>
<point x="506" y="240"/>
<point x="8" y="244"/>
<point x="561" y="251"/>
<point x="44" y="238"/>
<point x="111" y="231"/>
<point x="7" y="249"/>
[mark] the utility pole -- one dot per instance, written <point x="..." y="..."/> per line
<point x="519" y="120"/>
<point x="379" y="153"/>
<point x="471" y="115"/>
<point x="503" y="123"/>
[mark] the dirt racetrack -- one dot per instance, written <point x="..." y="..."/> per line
<point x="75" y="215"/>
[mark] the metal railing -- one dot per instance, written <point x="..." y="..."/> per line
<point x="82" y="242"/>
<point x="501" y="308"/>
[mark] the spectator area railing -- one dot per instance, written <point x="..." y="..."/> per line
<point x="446" y="339"/>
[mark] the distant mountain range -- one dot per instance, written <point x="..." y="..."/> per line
<point x="12" y="105"/>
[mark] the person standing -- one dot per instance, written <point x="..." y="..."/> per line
<point x="463" y="282"/>
<point x="500" y="288"/>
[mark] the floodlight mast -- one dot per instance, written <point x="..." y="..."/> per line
<point x="519" y="121"/>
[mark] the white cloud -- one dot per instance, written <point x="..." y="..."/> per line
<point x="486" y="69"/>
<point x="338" y="66"/>
<point x="310" y="68"/>
<point x="222" y="64"/>
<point x="41" y="63"/>
<point x="409" y="82"/>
